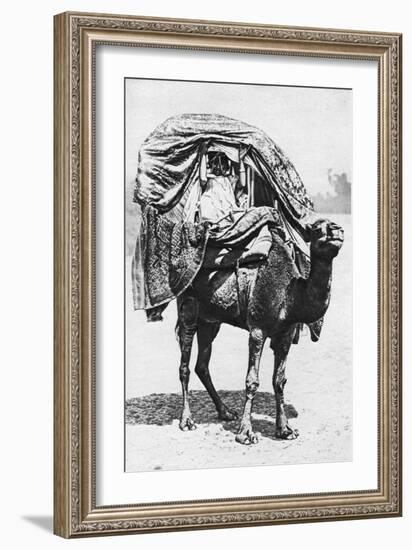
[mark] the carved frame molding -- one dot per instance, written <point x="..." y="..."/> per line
<point x="76" y="36"/>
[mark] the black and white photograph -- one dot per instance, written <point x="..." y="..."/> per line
<point x="238" y="275"/>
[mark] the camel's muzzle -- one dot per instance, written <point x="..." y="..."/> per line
<point x="335" y="233"/>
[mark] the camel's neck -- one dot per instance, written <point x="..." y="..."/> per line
<point x="314" y="292"/>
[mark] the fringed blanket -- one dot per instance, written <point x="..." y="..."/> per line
<point x="167" y="257"/>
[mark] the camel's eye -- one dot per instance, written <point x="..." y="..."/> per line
<point x="317" y="229"/>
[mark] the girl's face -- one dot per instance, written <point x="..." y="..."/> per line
<point x="220" y="165"/>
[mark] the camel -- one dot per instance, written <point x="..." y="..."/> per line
<point x="268" y="299"/>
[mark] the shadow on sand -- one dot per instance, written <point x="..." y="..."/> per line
<point x="164" y="408"/>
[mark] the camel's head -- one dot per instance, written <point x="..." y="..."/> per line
<point x="326" y="238"/>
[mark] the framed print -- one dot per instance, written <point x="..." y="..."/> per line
<point x="227" y="274"/>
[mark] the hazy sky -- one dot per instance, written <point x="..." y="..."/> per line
<point x="313" y="126"/>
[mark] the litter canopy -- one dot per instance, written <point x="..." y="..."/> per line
<point x="169" y="159"/>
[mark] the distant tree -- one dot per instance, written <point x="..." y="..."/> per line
<point x="339" y="201"/>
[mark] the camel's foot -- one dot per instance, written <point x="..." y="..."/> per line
<point x="186" y="423"/>
<point x="286" y="432"/>
<point x="247" y="437"/>
<point x="227" y="414"/>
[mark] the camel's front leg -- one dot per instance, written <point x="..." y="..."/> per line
<point x="187" y="319"/>
<point x="245" y="435"/>
<point x="281" y="350"/>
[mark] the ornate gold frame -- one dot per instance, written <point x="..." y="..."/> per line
<point x="75" y="37"/>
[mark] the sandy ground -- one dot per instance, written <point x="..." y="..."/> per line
<point x="318" y="391"/>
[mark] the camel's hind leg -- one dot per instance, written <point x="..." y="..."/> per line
<point x="257" y="338"/>
<point x="206" y="333"/>
<point x="281" y="350"/>
<point x="186" y="329"/>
